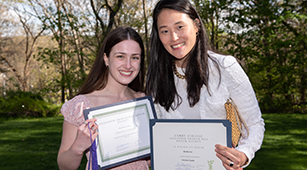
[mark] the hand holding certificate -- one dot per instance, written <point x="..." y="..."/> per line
<point x="188" y="144"/>
<point x="123" y="131"/>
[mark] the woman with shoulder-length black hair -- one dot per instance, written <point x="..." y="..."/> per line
<point x="117" y="75"/>
<point x="187" y="80"/>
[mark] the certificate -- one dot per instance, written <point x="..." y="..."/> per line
<point x="123" y="131"/>
<point x="188" y="144"/>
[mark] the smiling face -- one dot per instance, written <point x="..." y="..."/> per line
<point x="177" y="32"/>
<point x="123" y="62"/>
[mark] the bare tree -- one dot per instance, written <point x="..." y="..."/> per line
<point x="29" y="45"/>
<point x="71" y="25"/>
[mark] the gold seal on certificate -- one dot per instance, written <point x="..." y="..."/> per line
<point x="187" y="144"/>
<point x="123" y="131"/>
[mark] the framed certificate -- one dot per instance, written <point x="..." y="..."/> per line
<point x="187" y="144"/>
<point x="123" y="131"/>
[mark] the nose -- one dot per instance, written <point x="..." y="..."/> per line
<point x="127" y="64"/>
<point x="174" y="36"/>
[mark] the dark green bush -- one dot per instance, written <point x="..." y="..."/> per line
<point x="26" y="104"/>
<point x="280" y="105"/>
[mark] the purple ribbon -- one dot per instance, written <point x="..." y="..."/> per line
<point x="93" y="154"/>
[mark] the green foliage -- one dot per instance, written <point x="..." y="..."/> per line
<point x="74" y="50"/>
<point x="26" y="104"/>
<point x="268" y="36"/>
<point x="270" y="39"/>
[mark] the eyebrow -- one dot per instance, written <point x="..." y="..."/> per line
<point x="176" y="23"/>
<point x="162" y="27"/>
<point x="125" y="53"/>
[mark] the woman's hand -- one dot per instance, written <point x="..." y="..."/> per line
<point x="85" y="131"/>
<point x="148" y="163"/>
<point x="232" y="159"/>
<point x="75" y="140"/>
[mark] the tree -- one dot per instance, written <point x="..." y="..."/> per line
<point x="29" y="45"/>
<point x="272" y="44"/>
<point x="141" y="12"/>
<point x="213" y="14"/>
<point x="73" y="29"/>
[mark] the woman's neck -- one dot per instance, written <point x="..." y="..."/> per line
<point x="119" y="92"/>
<point x="181" y="63"/>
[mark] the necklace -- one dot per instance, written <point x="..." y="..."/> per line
<point x="176" y="72"/>
<point x="117" y="96"/>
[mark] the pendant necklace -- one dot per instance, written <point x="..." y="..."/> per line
<point x="117" y="96"/>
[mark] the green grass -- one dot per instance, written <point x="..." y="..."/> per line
<point x="30" y="143"/>
<point x="284" y="146"/>
<point x="34" y="143"/>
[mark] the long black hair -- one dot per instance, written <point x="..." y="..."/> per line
<point x="160" y="78"/>
<point x="98" y="77"/>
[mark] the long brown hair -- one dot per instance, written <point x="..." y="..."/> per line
<point x="97" y="79"/>
<point x="160" y="78"/>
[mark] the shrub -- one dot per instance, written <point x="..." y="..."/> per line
<point x="26" y="104"/>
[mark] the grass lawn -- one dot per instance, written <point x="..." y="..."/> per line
<point x="30" y="143"/>
<point x="34" y="143"/>
<point x="285" y="145"/>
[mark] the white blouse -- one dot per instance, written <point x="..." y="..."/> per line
<point x="235" y="84"/>
<point x="184" y="108"/>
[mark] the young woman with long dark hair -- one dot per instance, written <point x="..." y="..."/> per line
<point x="117" y="75"/>
<point x="187" y="80"/>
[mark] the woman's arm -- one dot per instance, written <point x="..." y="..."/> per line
<point x="243" y="95"/>
<point x="75" y="140"/>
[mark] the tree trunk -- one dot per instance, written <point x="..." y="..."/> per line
<point x="146" y="29"/>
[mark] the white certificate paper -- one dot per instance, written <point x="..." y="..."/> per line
<point x="123" y="131"/>
<point x="188" y="144"/>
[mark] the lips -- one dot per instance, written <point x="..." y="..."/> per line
<point x="178" y="45"/>
<point x="126" y="73"/>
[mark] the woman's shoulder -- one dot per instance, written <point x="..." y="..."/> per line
<point x="230" y="69"/>
<point x="72" y="110"/>
<point x="75" y="100"/>
<point x="79" y="100"/>
<point x="223" y="60"/>
<point x="138" y="94"/>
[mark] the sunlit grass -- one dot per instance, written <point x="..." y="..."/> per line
<point x="30" y="143"/>
<point x="284" y="146"/>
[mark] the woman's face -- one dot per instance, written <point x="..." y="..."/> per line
<point x="177" y="32"/>
<point x="124" y="62"/>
